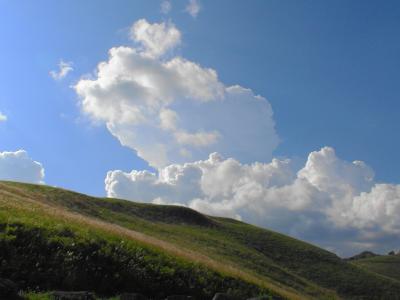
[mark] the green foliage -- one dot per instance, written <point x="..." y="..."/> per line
<point x="36" y="296"/>
<point x="46" y="259"/>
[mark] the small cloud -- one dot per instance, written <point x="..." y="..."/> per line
<point x="156" y="38"/>
<point x="166" y="6"/>
<point x="193" y="8"/>
<point x="64" y="69"/>
<point x="18" y="166"/>
<point x="3" y="117"/>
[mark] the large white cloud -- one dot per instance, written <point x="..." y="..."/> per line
<point x="174" y="110"/>
<point x="18" y="166"/>
<point x="329" y="201"/>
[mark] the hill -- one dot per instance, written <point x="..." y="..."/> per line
<point x="56" y="239"/>
<point x="362" y="255"/>
<point x="386" y="265"/>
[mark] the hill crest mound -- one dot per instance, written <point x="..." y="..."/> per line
<point x="81" y="203"/>
<point x="172" y="214"/>
<point x="362" y="255"/>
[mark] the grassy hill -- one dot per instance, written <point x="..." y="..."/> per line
<point x="56" y="239"/>
<point x="386" y="265"/>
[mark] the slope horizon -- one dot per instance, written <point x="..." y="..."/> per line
<point x="355" y="255"/>
<point x="86" y="237"/>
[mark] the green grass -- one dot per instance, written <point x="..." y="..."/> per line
<point x="386" y="265"/>
<point x="49" y="254"/>
<point x="235" y="256"/>
<point x="36" y="296"/>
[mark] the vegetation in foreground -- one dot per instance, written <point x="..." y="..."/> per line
<point x="67" y="258"/>
<point x="66" y="240"/>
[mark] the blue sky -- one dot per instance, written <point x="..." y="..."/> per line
<point x="329" y="69"/>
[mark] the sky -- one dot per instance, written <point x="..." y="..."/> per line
<point x="284" y="114"/>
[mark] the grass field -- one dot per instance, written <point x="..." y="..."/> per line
<point x="386" y="265"/>
<point x="161" y="250"/>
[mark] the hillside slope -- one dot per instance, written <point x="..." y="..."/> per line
<point x="180" y="249"/>
<point x="386" y="265"/>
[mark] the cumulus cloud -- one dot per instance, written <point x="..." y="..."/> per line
<point x="166" y="6"/>
<point x="379" y="209"/>
<point x="329" y="201"/>
<point x="3" y="117"/>
<point x="18" y="166"/>
<point x="64" y="69"/>
<point x="156" y="38"/>
<point x="174" y="110"/>
<point x="193" y="8"/>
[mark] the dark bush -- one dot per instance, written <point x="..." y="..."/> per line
<point x="8" y="289"/>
